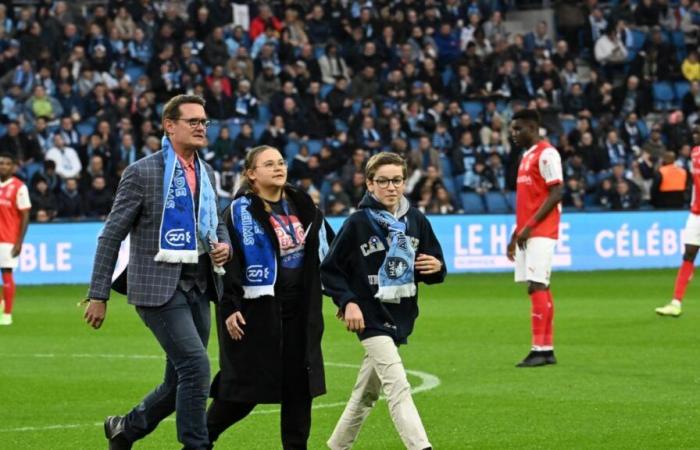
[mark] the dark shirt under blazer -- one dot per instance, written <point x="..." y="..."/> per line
<point x="137" y="209"/>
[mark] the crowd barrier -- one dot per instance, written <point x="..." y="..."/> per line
<point x="64" y="252"/>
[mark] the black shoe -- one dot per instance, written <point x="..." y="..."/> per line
<point x="533" y="359"/>
<point x="549" y="357"/>
<point x="114" y="432"/>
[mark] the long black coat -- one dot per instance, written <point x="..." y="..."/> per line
<point x="251" y="369"/>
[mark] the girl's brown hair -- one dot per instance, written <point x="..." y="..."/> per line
<point x="384" y="159"/>
<point x="251" y="159"/>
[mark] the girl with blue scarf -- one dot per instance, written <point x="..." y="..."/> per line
<point x="382" y="251"/>
<point x="269" y="320"/>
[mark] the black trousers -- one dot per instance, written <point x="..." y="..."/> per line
<point x="296" y="400"/>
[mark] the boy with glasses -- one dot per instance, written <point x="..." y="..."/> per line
<point x="371" y="271"/>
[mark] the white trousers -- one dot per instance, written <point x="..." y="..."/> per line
<point x="382" y="371"/>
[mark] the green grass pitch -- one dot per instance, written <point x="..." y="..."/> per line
<point x="625" y="379"/>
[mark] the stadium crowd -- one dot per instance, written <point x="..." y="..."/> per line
<point x="332" y="82"/>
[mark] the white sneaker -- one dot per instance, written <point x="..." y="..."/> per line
<point x="669" y="310"/>
<point x="6" y="319"/>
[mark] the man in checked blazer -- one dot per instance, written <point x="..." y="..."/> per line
<point x="172" y="299"/>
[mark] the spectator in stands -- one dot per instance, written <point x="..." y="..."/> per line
<point x="538" y="38"/>
<point x="561" y="54"/>
<point x="368" y="137"/>
<point x="441" y="202"/>
<point x="321" y="124"/>
<point x="338" y="202"/>
<point x="42" y="104"/>
<point x="676" y="131"/>
<point x="655" y="145"/>
<point x="574" y="193"/>
<point x="275" y="134"/>
<point x="494" y="27"/>
<point x="646" y="15"/>
<point x="12" y="104"/>
<point x="68" y="165"/>
<point x="658" y="59"/>
<point x="22" y="147"/>
<point x="615" y="150"/>
<point x="624" y="197"/>
<point x="631" y="97"/>
<point x="691" y="66"/>
<point x="605" y="193"/>
<point x="42" y="199"/>
<point x="98" y="200"/>
<point x="597" y="26"/>
<point x="333" y="65"/>
<point x="244" y="141"/>
<point x="575" y="103"/>
<point x="215" y="49"/>
<point x="266" y="84"/>
<point x="70" y="202"/>
<point x="246" y="104"/>
<point x="364" y="84"/>
<point x="670" y="184"/>
<point x="610" y="50"/>
<point x="690" y="104"/>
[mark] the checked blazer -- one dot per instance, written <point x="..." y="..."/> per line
<point x="137" y="209"/>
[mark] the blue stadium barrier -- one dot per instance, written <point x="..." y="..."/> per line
<point x="63" y="252"/>
<point x="472" y="203"/>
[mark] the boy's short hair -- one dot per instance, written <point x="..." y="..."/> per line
<point x="384" y="159"/>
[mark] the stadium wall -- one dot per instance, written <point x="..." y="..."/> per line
<point x="62" y="253"/>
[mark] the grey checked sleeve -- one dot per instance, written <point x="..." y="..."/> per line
<point x="126" y="207"/>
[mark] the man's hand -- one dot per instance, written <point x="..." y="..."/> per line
<point x="220" y="253"/>
<point x="354" y="320"/>
<point x="426" y="264"/>
<point x="16" y="249"/>
<point x="510" y="252"/>
<point x="95" y="313"/>
<point x="234" y="325"/>
<point x="523" y="236"/>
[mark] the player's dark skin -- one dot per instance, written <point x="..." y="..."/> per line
<point x="691" y="251"/>
<point x="7" y="169"/>
<point x="525" y="134"/>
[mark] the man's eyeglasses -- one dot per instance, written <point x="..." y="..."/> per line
<point x="194" y="122"/>
<point x="384" y="182"/>
<point x="269" y="165"/>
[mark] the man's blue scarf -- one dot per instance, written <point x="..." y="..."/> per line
<point x="396" y="272"/>
<point x="182" y="237"/>
<point x="259" y="252"/>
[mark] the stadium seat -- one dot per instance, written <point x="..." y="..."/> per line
<point x="292" y="149"/>
<point x="234" y="128"/>
<point x="681" y="88"/>
<point x="496" y="203"/>
<point x="472" y="203"/>
<point x="213" y="131"/>
<point x="643" y="128"/>
<point x="663" y="95"/>
<point x="135" y="72"/>
<point x="568" y="125"/>
<point x="510" y="199"/>
<point x="264" y="113"/>
<point x="474" y="109"/>
<point x="85" y="128"/>
<point x="259" y="129"/>
<point x="325" y="89"/>
<point x="314" y="146"/>
<point x="447" y="76"/>
<point x="638" y="39"/>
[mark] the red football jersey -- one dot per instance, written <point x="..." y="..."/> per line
<point x="539" y="169"/>
<point x="14" y="197"/>
<point x="695" y="171"/>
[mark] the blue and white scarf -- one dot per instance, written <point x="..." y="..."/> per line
<point x="396" y="272"/>
<point x="182" y="237"/>
<point x="259" y="253"/>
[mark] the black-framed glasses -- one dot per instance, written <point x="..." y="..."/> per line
<point x="194" y="122"/>
<point x="384" y="182"/>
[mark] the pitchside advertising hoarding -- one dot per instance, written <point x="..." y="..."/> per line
<point x="64" y="252"/>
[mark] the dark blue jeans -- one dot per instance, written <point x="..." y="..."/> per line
<point x="181" y="327"/>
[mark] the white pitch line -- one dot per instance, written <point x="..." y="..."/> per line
<point x="428" y="382"/>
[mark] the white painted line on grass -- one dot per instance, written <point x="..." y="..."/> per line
<point x="428" y="382"/>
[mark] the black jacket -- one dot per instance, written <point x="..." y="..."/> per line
<point x="349" y="272"/>
<point x="251" y="369"/>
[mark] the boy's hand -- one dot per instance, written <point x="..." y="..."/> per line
<point x="426" y="264"/>
<point x="354" y="320"/>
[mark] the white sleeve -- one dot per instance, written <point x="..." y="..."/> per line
<point x="23" y="201"/>
<point x="550" y="166"/>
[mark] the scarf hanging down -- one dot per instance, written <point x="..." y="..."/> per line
<point x="259" y="252"/>
<point x="396" y="272"/>
<point x="181" y="234"/>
